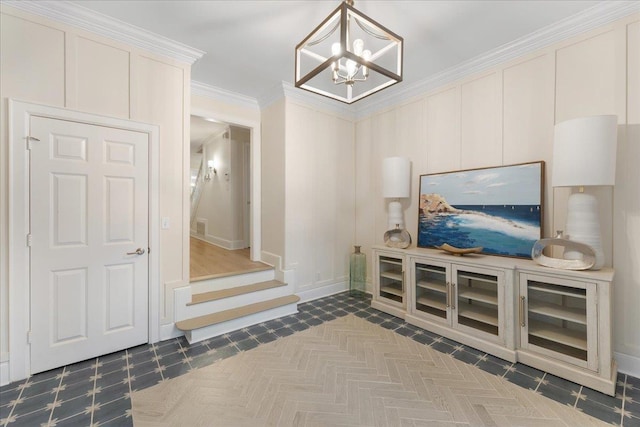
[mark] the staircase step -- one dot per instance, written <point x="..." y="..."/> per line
<point x="231" y="292"/>
<point x="234" y="313"/>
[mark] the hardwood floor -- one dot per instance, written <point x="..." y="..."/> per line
<point x="209" y="261"/>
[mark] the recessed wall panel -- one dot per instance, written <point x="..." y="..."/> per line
<point x="480" y="119"/>
<point x="119" y="298"/>
<point x="119" y="202"/>
<point x="69" y="147"/>
<point x="102" y="82"/>
<point x="69" y="210"/>
<point x="119" y="153"/>
<point x="69" y="300"/>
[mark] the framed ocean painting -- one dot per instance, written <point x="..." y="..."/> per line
<point x="499" y="209"/>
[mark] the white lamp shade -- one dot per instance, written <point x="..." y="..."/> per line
<point x="396" y="177"/>
<point x="584" y="152"/>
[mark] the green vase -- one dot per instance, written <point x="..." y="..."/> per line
<point x="357" y="273"/>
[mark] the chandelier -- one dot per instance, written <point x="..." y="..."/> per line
<point x="348" y="56"/>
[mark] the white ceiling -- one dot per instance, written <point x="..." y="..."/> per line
<point x="250" y="45"/>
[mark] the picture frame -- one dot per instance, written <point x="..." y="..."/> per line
<point x="497" y="208"/>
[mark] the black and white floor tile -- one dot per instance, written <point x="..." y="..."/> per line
<point x="97" y="392"/>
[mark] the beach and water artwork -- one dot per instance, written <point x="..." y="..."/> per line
<point x="497" y="208"/>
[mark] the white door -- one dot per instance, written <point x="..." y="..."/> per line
<point x="89" y="215"/>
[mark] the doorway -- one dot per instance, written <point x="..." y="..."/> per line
<point x="220" y="217"/>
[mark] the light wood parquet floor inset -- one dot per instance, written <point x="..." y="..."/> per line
<point x="209" y="261"/>
<point x="346" y="372"/>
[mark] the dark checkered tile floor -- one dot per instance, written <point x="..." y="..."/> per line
<point x="96" y="392"/>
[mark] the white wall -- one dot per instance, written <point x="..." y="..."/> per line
<point x="221" y="197"/>
<point x="308" y="194"/>
<point x="506" y="115"/>
<point x="273" y="182"/>
<point x="51" y="63"/>
<point x="320" y="191"/>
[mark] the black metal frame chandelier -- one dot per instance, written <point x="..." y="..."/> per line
<point x="348" y="56"/>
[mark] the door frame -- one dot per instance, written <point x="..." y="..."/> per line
<point x="255" y="214"/>
<point x="20" y="113"/>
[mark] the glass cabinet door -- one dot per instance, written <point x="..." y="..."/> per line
<point x="557" y="318"/>
<point x="391" y="278"/>
<point x="432" y="290"/>
<point x="477" y="299"/>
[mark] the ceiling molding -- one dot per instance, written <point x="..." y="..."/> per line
<point x="318" y="101"/>
<point x="597" y="16"/>
<point x="288" y="90"/>
<point x="81" y="17"/>
<point x="222" y="95"/>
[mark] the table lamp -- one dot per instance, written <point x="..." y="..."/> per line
<point x="584" y="155"/>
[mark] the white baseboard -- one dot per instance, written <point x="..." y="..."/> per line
<point x="218" y="241"/>
<point x="272" y="259"/>
<point x="169" y="331"/>
<point x="627" y="364"/>
<point x="324" y="291"/>
<point x="4" y="373"/>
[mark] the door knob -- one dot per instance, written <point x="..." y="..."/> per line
<point x="138" y="251"/>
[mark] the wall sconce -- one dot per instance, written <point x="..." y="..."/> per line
<point x="212" y="168"/>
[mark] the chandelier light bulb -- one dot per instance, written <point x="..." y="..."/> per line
<point x="366" y="55"/>
<point x="351" y="68"/>
<point x="335" y="49"/>
<point x="358" y="46"/>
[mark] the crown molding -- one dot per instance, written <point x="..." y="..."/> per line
<point x="288" y="90"/>
<point x="103" y="25"/>
<point x="596" y="16"/>
<point x="222" y="95"/>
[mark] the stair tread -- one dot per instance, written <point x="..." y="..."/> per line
<point x="231" y="292"/>
<point x="234" y="313"/>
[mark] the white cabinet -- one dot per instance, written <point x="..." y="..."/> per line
<point x="555" y="320"/>
<point x="565" y="325"/>
<point x="389" y="282"/>
<point x="465" y="302"/>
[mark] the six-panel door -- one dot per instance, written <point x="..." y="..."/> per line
<point x="89" y="241"/>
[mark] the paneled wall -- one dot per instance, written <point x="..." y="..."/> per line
<point x="50" y="63"/>
<point x="273" y="181"/>
<point x="506" y="115"/>
<point x="319" y="212"/>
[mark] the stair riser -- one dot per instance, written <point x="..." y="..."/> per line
<point x="243" y="322"/>
<point x="231" y="281"/>
<point x="182" y="296"/>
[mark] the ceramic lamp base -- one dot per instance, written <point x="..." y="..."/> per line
<point x="583" y="225"/>
<point x="395" y="217"/>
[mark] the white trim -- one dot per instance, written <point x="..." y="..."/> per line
<point x="169" y="331"/>
<point x="596" y="16"/>
<point x="256" y="173"/>
<point x="218" y="241"/>
<point x="222" y="95"/>
<point x="4" y="369"/>
<point x="323" y="291"/>
<point x="112" y="28"/>
<point x="272" y="259"/>
<point x="19" y="302"/>
<point x="287" y="90"/>
<point x="628" y="364"/>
